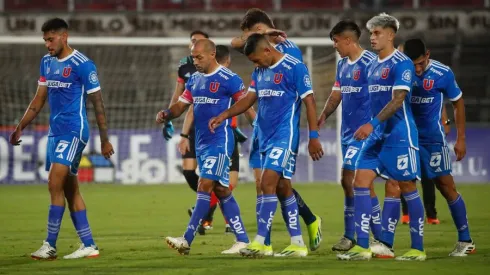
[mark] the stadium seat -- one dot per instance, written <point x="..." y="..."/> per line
<point x="28" y="5"/>
<point x="163" y="5"/>
<point x="108" y="5"/>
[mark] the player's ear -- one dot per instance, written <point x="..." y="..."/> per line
<point x="427" y="54"/>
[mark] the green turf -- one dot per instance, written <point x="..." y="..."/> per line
<point x="129" y="223"/>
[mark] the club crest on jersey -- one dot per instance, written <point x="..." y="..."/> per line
<point x="213" y="87"/>
<point x="277" y="78"/>
<point x="66" y="71"/>
<point x="385" y="72"/>
<point x="356" y="74"/>
<point x="428" y="84"/>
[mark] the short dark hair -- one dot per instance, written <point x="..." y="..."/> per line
<point x="199" y="32"/>
<point x="222" y="52"/>
<point x="54" y="24"/>
<point x="252" y="42"/>
<point x="345" y="25"/>
<point x="414" y="48"/>
<point x="255" y="16"/>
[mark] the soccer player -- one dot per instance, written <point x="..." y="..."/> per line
<point x="258" y="21"/>
<point x="67" y="78"/>
<point x="280" y="83"/>
<point x="186" y="69"/>
<point x="391" y="145"/>
<point x="351" y="89"/>
<point x="433" y="82"/>
<point x="211" y="91"/>
<point x="223" y="58"/>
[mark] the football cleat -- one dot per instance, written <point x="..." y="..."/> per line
<point x="293" y="250"/>
<point x="405" y="219"/>
<point x="412" y="255"/>
<point x="46" y="252"/>
<point x="254" y="250"/>
<point x="344" y="244"/>
<point x="381" y="250"/>
<point x="357" y="253"/>
<point x="462" y="249"/>
<point x="433" y="221"/>
<point x="84" y="252"/>
<point x="235" y="249"/>
<point x="315" y="233"/>
<point x="180" y="244"/>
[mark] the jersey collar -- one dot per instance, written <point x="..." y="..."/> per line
<point x="68" y="57"/>
<point x="428" y="65"/>
<point x="278" y="62"/>
<point x="355" y="61"/>
<point x="215" y="71"/>
<point x="388" y="57"/>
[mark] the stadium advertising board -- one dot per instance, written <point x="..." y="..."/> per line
<point x="439" y="23"/>
<point x="143" y="157"/>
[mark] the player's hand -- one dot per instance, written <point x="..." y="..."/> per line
<point x="184" y="145"/>
<point x="106" y="149"/>
<point x="315" y="149"/>
<point x="278" y="35"/>
<point x="15" y="137"/>
<point x="168" y="130"/>
<point x="363" y="132"/>
<point x="460" y="149"/>
<point x="214" y="123"/>
<point x="321" y="120"/>
<point x="161" y="116"/>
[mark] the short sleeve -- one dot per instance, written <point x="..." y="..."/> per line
<point x="237" y="88"/>
<point x="89" y="77"/>
<point x="336" y="85"/>
<point x="42" y="75"/>
<point x="181" y="74"/>
<point x="451" y="88"/>
<point x="402" y="76"/>
<point x="302" y="80"/>
<point x="253" y="82"/>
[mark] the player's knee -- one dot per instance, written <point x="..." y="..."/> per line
<point x="447" y="187"/>
<point x="392" y="189"/>
<point x="407" y="186"/>
<point x="205" y="185"/>
<point x="284" y="189"/>
<point x="347" y="182"/>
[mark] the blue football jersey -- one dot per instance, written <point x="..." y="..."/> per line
<point x="351" y="81"/>
<point x="211" y="94"/>
<point x="69" y="81"/>
<point x="395" y="72"/>
<point x="280" y="89"/>
<point x="428" y="94"/>
<point x="290" y="48"/>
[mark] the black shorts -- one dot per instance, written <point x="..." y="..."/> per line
<point x="191" y="154"/>
<point x="235" y="158"/>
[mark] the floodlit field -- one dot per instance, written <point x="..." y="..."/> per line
<point x="129" y="223"/>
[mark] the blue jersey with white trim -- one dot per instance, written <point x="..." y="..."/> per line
<point x="395" y="72"/>
<point x="69" y="81"/>
<point x="351" y="81"/>
<point x="427" y="100"/>
<point x="290" y="48"/>
<point x="211" y="94"/>
<point x="280" y="89"/>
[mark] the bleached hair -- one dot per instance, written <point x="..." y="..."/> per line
<point x="383" y="20"/>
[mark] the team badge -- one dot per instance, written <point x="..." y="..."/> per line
<point x="356" y="74"/>
<point x="385" y="72"/>
<point x="66" y="71"/>
<point x="213" y="87"/>
<point x="428" y="84"/>
<point x="277" y="78"/>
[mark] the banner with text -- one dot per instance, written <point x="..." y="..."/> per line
<point x="143" y="157"/>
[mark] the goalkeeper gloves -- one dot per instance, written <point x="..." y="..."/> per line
<point x="168" y="130"/>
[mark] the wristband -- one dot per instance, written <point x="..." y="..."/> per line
<point x="314" y="134"/>
<point x="447" y="122"/>
<point x="374" y="122"/>
<point x="168" y="114"/>
<point x="184" y="136"/>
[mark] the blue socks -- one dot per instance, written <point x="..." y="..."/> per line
<point x="304" y="210"/>
<point x="390" y="218"/>
<point x="416" y="214"/>
<point x="201" y="209"/>
<point x="266" y="215"/>
<point x="458" y="211"/>
<point x="349" y="226"/>
<point x="55" y="216"/>
<point x="231" y="211"/>
<point x="362" y="215"/>
<point x="376" y="218"/>
<point x="80" y="222"/>
<point x="290" y="215"/>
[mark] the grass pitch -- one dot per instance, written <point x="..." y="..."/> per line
<point x="129" y="223"/>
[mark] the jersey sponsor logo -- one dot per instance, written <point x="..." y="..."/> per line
<point x="385" y="72"/>
<point x="407" y="76"/>
<point x="421" y="100"/>
<point x="57" y="84"/>
<point x="66" y="71"/>
<point x="402" y="162"/>
<point x="351" y="152"/>
<point x="237" y="225"/>
<point x="436" y="71"/>
<point x="379" y="88"/>
<point x="428" y="84"/>
<point x="435" y="160"/>
<point x="365" y="220"/>
<point x="276" y="153"/>
<point x="350" y="89"/>
<point x="209" y="162"/>
<point x="286" y="66"/>
<point x="356" y="74"/>
<point x="307" y="81"/>
<point x="293" y="219"/>
<point x="270" y="93"/>
<point x="277" y="78"/>
<point x="92" y="77"/>
<point x="62" y="145"/>
<point x="205" y="100"/>
<point x="213" y="87"/>
<point x="223" y="75"/>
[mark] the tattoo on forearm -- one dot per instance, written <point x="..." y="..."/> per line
<point x="33" y="109"/>
<point x="392" y="106"/>
<point x="331" y="105"/>
<point x="101" y="118"/>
